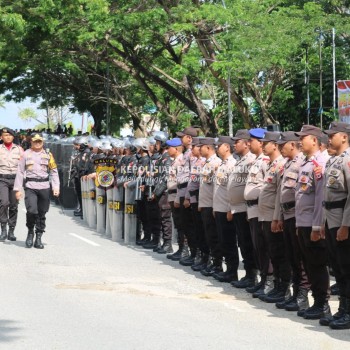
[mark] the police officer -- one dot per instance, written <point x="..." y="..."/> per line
<point x="238" y="208"/>
<point x="39" y="169"/>
<point x="289" y="148"/>
<point x="191" y="199"/>
<point x="10" y="155"/>
<point x="270" y="216"/>
<point x="225" y="229"/>
<point x="255" y="181"/>
<point x="309" y="219"/>
<point x="337" y="206"/>
<point x="162" y="163"/>
<point x="183" y="176"/>
<point x="205" y="206"/>
<point x="80" y="168"/>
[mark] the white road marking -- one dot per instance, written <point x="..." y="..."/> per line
<point x="85" y="240"/>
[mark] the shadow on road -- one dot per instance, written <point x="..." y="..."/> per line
<point x="7" y="331"/>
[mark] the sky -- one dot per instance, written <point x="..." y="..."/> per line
<point x="9" y="116"/>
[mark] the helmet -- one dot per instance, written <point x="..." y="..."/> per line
<point x="161" y="136"/>
<point x="106" y="145"/>
<point x="151" y="140"/>
<point x="82" y="140"/>
<point x="97" y="144"/>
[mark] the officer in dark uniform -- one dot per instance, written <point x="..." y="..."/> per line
<point x="39" y="169"/>
<point x="80" y="168"/>
<point x="10" y="155"/>
<point x="162" y="163"/>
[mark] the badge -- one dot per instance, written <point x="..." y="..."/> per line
<point x="292" y="175"/>
<point x="331" y="181"/>
<point x="269" y="179"/>
<point x="340" y="161"/>
<point x="333" y="172"/>
<point x="105" y="178"/>
<point x="303" y="179"/>
<point x="304" y="187"/>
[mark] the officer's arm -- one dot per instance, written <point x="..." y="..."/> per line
<point x="346" y="172"/>
<point x="18" y="185"/>
<point x="55" y="180"/>
<point x="319" y="196"/>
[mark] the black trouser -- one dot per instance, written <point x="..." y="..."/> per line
<point x="186" y="223"/>
<point x="314" y="255"/>
<point x="77" y="186"/>
<point x="200" y="240"/>
<point x="211" y="234"/>
<point x="293" y="253"/>
<point x="261" y="250"/>
<point x="164" y="209"/>
<point x="227" y="239"/>
<point x="8" y="202"/>
<point x="144" y="214"/>
<point x="275" y="243"/>
<point x="37" y="203"/>
<point x="177" y="223"/>
<point x="245" y="242"/>
<point x="338" y="253"/>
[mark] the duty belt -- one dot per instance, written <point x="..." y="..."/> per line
<point x="171" y="191"/>
<point x="8" y="176"/>
<point x="184" y="185"/>
<point x="252" y="202"/>
<point x="288" y="205"/>
<point x="335" y="205"/>
<point x="194" y="193"/>
<point x="32" y="179"/>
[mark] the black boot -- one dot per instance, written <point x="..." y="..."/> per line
<point x="319" y="310"/>
<point x="343" y="322"/>
<point x="256" y="287"/>
<point x="166" y="247"/>
<point x="151" y="244"/>
<point x="78" y="212"/>
<point x="215" y="267"/>
<point x="249" y="280"/>
<point x="325" y="321"/>
<point x="301" y="304"/>
<point x="202" y="264"/>
<point x="266" y="288"/>
<point x="146" y="239"/>
<point x="37" y="243"/>
<point x="228" y="276"/>
<point x="334" y="289"/>
<point x="30" y="236"/>
<point x="158" y="247"/>
<point x="175" y="256"/>
<point x="188" y="260"/>
<point x="283" y="293"/>
<point x="271" y="292"/>
<point x="3" y="235"/>
<point x="11" y="235"/>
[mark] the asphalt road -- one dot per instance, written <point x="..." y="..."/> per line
<point x="85" y="292"/>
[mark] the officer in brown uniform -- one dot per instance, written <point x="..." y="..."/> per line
<point x="270" y="216"/>
<point x="205" y="205"/>
<point x="337" y="220"/>
<point x="252" y="190"/>
<point x="225" y="228"/>
<point x="191" y="199"/>
<point x="238" y="207"/>
<point x="38" y="168"/>
<point x="10" y="155"/>
<point x="309" y="220"/>
<point x="289" y="147"/>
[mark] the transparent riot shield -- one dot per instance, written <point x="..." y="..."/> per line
<point x="109" y="211"/>
<point x="101" y="210"/>
<point x="130" y="219"/>
<point x="84" y="198"/>
<point x="91" y="204"/>
<point x="118" y="214"/>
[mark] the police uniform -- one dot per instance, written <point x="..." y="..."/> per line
<point x="205" y="203"/>
<point x="337" y="214"/>
<point x="309" y="217"/>
<point x="38" y="170"/>
<point x="9" y="158"/>
<point x="255" y="181"/>
<point x="238" y="208"/>
<point x="269" y="210"/>
<point x="192" y="195"/>
<point x="226" y="230"/>
<point x="301" y="285"/>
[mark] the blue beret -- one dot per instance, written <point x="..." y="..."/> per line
<point x="175" y="142"/>
<point x="257" y="133"/>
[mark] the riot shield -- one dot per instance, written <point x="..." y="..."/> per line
<point x="101" y="210"/>
<point x="130" y="219"/>
<point x="118" y="213"/>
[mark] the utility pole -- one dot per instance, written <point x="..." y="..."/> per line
<point x="334" y="75"/>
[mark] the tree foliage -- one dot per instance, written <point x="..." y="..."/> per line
<point x="170" y="55"/>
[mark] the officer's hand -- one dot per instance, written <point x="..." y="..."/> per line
<point x="323" y="233"/>
<point x="199" y="209"/>
<point x="126" y="184"/>
<point x="274" y="226"/>
<point x="187" y="203"/>
<point x="342" y="233"/>
<point x="229" y="216"/>
<point x="142" y="188"/>
<point x="176" y="205"/>
<point x="280" y="225"/>
<point x="315" y="236"/>
<point x="18" y="195"/>
<point x="56" y="193"/>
